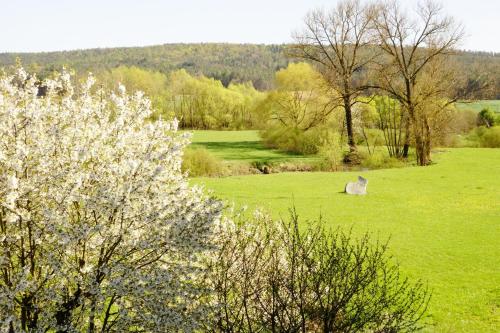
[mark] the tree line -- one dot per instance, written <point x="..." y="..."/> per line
<point x="383" y="47"/>
<point x="229" y="63"/>
<point x="302" y="114"/>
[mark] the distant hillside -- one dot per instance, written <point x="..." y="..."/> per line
<point x="225" y="62"/>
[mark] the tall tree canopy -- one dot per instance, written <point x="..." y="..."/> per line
<point x="338" y="43"/>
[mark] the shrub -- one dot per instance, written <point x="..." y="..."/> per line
<point x="490" y="138"/>
<point x="262" y="166"/>
<point x="331" y="153"/>
<point x="379" y="160"/>
<point x="486" y="117"/>
<point x="100" y="230"/>
<point x="458" y="141"/>
<point x="295" y="140"/>
<point x="391" y="122"/>
<point x="293" y="166"/>
<point x="199" y="162"/>
<point x="236" y="169"/>
<point x="372" y="138"/>
<point x="269" y="276"/>
<point x="481" y="137"/>
<point x="463" y="121"/>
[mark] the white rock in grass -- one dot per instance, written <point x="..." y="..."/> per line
<point x="357" y="188"/>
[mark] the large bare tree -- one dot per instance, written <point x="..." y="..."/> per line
<point x="339" y="42"/>
<point x="413" y="68"/>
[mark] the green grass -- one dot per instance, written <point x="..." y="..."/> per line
<point x="443" y="221"/>
<point x="242" y="146"/>
<point x="477" y="106"/>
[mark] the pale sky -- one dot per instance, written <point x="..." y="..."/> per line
<point x="52" y="25"/>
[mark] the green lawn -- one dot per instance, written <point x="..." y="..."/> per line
<point x="477" y="106"/>
<point x="443" y="220"/>
<point x="242" y="146"/>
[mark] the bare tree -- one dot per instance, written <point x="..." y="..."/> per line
<point x="339" y="42"/>
<point x="412" y="47"/>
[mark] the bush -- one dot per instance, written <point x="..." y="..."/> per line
<point x="490" y="138"/>
<point x="379" y="160"/>
<point x="293" y="166"/>
<point x="199" y="162"/>
<point x="331" y="153"/>
<point x="262" y="166"/>
<point x="459" y="141"/>
<point x="481" y="137"/>
<point x="459" y="124"/>
<point x="463" y="121"/>
<point x="295" y="140"/>
<point x="486" y="117"/>
<point x="270" y="277"/>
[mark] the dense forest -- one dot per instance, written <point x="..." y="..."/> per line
<point x="229" y="63"/>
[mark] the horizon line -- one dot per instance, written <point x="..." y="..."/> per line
<point x="495" y="53"/>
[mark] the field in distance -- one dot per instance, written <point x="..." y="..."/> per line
<point x="493" y="105"/>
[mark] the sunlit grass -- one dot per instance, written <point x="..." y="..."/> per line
<point x="242" y="146"/>
<point x="443" y="221"/>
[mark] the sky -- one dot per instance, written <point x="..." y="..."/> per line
<point x="54" y="25"/>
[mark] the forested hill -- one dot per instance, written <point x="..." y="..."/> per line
<point x="225" y="62"/>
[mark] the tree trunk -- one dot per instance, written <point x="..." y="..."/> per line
<point x="348" y="122"/>
<point x="422" y="145"/>
<point x="419" y="149"/>
<point x="91" y="327"/>
<point x="352" y="157"/>
<point x="63" y="316"/>
<point x="406" y="146"/>
<point x="427" y="142"/>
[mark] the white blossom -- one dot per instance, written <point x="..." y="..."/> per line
<point x="94" y="209"/>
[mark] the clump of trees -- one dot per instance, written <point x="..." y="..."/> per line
<point x="297" y="112"/>
<point x="273" y="276"/>
<point x="415" y="73"/>
<point x="153" y="84"/>
<point x="391" y="121"/>
<point x="204" y="103"/>
<point x="198" y="102"/>
<point x="381" y="47"/>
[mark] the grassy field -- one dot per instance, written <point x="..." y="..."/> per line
<point x="241" y="146"/>
<point x="477" y="106"/>
<point x="443" y="220"/>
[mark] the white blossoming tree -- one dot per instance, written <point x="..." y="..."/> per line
<point x="99" y="230"/>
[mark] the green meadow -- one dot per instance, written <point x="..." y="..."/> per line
<point x="493" y="105"/>
<point x="242" y="147"/>
<point x="443" y="220"/>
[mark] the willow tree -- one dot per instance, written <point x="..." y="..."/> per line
<point x="414" y="69"/>
<point x="339" y="43"/>
<point x="299" y="101"/>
